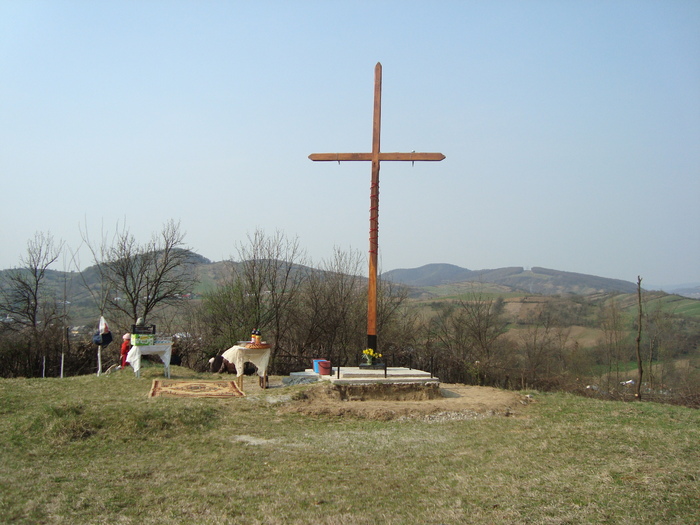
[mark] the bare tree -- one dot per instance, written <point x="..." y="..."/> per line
<point x="100" y="292"/>
<point x="612" y="323"/>
<point x="484" y="322"/>
<point x="24" y="292"/>
<point x="29" y="304"/>
<point x="469" y="331"/>
<point x="146" y="277"/>
<point x="223" y="318"/>
<point x="260" y="292"/>
<point x="660" y="339"/>
<point x="536" y="348"/>
<point x="450" y="341"/>
<point x="397" y="325"/>
<point x="542" y="347"/>
<point x="271" y="270"/>
<point x="332" y="310"/>
<point x="331" y="313"/>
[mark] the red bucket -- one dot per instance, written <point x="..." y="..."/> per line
<point x="324" y="368"/>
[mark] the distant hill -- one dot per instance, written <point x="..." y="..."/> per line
<point x="430" y="275"/>
<point x="536" y="280"/>
<point x="692" y="292"/>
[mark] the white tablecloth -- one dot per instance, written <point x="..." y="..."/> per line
<point x="164" y="350"/>
<point x="239" y="355"/>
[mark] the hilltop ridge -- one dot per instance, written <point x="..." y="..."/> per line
<point x="536" y="280"/>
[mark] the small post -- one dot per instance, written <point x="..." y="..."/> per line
<point x="640" y="369"/>
<point x="64" y="345"/>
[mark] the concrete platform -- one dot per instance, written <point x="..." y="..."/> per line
<point x="352" y="375"/>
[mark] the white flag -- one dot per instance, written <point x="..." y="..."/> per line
<point x="103" y="326"/>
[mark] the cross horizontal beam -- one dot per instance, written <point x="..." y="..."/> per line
<point x="382" y="156"/>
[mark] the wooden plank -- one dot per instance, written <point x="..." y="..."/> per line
<point x="377" y="116"/>
<point x="340" y="156"/>
<point x="411" y="156"/>
<point x="344" y="157"/>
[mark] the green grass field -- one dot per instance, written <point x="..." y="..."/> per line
<point x="97" y="450"/>
<point x="682" y="306"/>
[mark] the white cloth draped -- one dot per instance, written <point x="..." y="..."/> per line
<point x="164" y="350"/>
<point x="239" y="355"/>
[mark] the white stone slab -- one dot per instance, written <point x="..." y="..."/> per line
<point x="357" y="375"/>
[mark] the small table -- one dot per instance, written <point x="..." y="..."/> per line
<point x="244" y="352"/>
<point x="164" y="350"/>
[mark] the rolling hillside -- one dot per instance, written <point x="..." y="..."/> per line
<point x="432" y="280"/>
<point x="536" y="280"/>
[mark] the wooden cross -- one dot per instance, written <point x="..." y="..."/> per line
<point x="376" y="157"/>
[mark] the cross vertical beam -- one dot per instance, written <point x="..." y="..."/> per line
<point x="376" y="157"/>
<point x="374" y="212"/>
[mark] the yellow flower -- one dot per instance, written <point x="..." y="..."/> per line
<point x="370" y="355"/>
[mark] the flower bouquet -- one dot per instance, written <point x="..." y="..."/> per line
<point x="371" y="356"/>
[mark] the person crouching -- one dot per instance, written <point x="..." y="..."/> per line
<point x="126" y="345"/>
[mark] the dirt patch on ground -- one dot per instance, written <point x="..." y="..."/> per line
<point x="386" y="402"/>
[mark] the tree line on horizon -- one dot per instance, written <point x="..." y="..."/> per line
<point x="319" y="311"/>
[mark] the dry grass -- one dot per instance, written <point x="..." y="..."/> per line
<point x="97" y="450"/>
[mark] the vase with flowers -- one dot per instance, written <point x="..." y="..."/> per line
<point x="371" y="358"/>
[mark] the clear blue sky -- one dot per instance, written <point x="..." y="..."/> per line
<point x="571" y="129"/>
